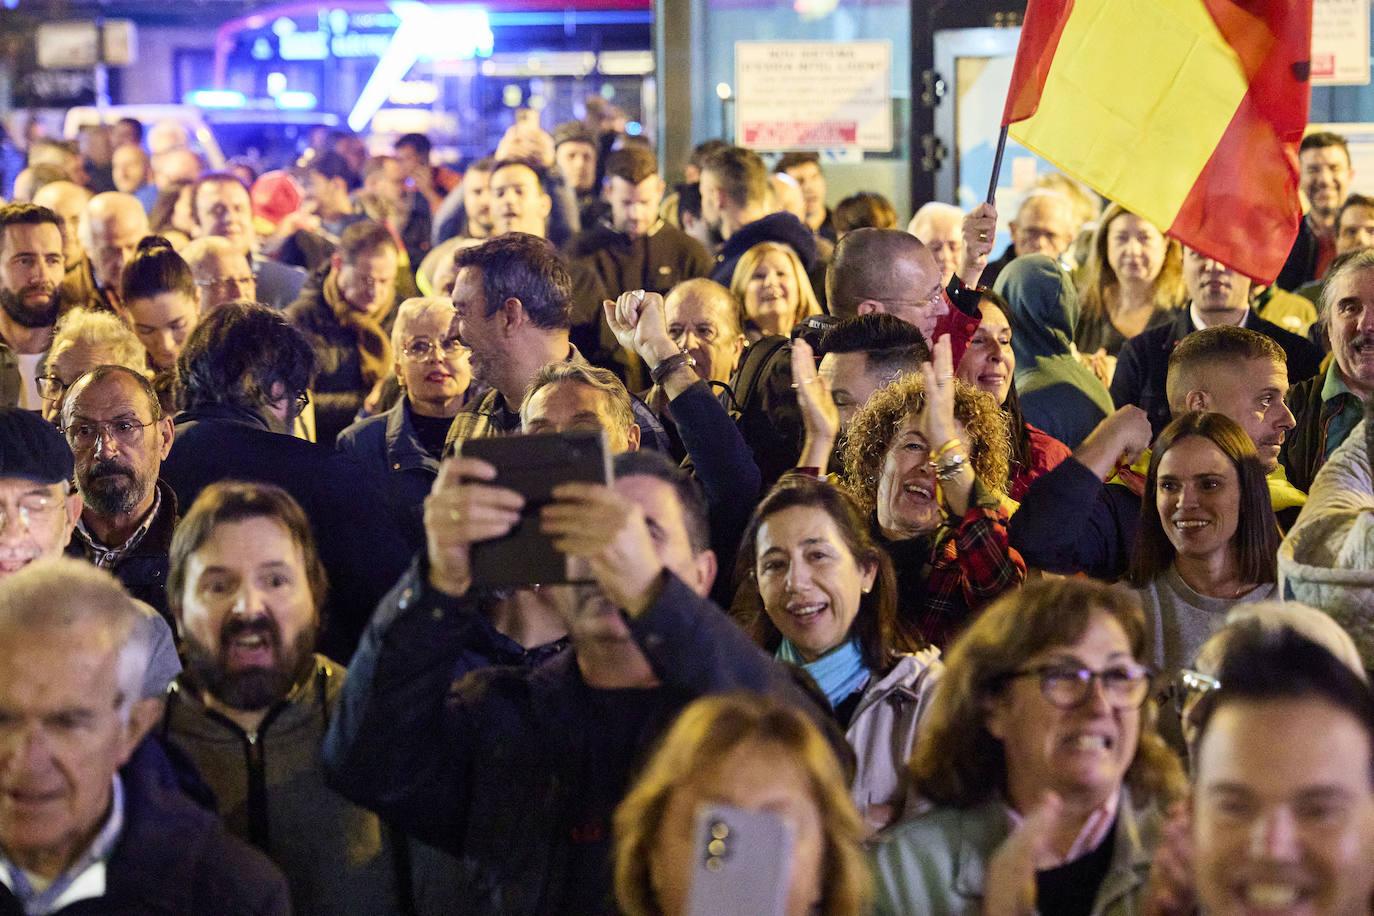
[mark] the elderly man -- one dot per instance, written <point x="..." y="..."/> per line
<point x="1044" y="224"/>
<point x="223" y="208"/>
<point x="448" y="766"/>
<point x="734" y="203"/>
<point x="1217" y="296"/>
<point x="68" y="201"/>
<point x="131" y="170"/>
<point x="939" y="226"/>
<point x="1282" y="804"/>
<point x="1326" y="174"/>
<point x="244" y="376"/>
<point x="31" y="267"/>
<point x="119" y="437"/>
<point x="78" y="834"/>
<point x="110" y="229"/>
<point x="703" y="319"/>
<point x="1327" y="406"/>
<point x="85" y="339"/>
<point x="221" y="272"/>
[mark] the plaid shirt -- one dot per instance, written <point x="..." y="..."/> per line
<point x="109" y="557"/>
<point x="490" y="415"/>
<point x="966" y="568"/>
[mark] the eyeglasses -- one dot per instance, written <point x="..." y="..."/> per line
<point x="50" y="387"/>
<point x="421" y="347"/>
<point x="86" y="433"/>
<point x="32" y="510"/>
<point x="1066" y="687"/>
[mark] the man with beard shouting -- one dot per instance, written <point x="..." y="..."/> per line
<point x="31" y="269"/>
<point x="246" y="586"/>
<point x="119" y="435"/>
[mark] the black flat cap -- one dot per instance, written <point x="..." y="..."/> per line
<point x="31" y="448"/>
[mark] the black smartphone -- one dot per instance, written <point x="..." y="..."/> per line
<point x="533" y="465"/>
<point x="742" y="862"/>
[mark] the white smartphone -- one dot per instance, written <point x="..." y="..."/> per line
<point x="742" y="863"/>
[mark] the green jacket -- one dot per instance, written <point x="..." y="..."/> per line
<point x="936" y="864"/>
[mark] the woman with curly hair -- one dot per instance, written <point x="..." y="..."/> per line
<point x="1132" y="280"/>
<point x="926" y="458"/>
<point x="744" y="751"/>
<point x="1040" y="755"/>
<point x="773" y="289"/>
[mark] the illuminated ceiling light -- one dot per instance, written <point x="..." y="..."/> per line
<point x="216" y="98"/>
<point x="296" y="99"/>
<point x="426" y="32"/>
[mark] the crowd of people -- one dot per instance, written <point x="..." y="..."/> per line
<point x="921" y="580"/>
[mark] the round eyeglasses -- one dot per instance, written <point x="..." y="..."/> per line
<point x="421" y="347"/>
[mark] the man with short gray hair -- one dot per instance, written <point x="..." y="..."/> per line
<point x="77" y="833"/>
<point x="1328" y="406"/>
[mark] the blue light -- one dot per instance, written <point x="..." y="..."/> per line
<point x="296" y="99"/>
<point x="216" y="98"/>
<point x="634" y="128"/>
<point x="11" y="4"/>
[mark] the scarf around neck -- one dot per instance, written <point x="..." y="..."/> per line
<point x="838" y="673"/>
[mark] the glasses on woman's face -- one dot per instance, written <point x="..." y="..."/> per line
<point x="420" y="348"/>
<point x="1064" y="686"/>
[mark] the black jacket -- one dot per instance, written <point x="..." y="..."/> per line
<point x="1301" y="266"/>
<point x="360" y="535"/>
<point x="775" y="227"/>
<point x="143" y="570"/>
<point x="174" y="858"/>
<point x="516" y="771"/>
<point x="1144" y="361"/>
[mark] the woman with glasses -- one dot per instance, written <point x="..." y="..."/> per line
<point x="1207" y="538"/>
<point x="819" y="592"/>
<point x="1040" y="758"/>
<point x="432" y="368"/>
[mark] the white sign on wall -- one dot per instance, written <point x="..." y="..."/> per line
<point x="1340" y="42"/>
<point x="807" y="95"/>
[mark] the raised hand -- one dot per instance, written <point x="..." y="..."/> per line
<point x="980" y="231"/>
<point x="819" y="414"/>
<point x="595" y="523"/>
<point x="638" y="322"/>
<point x="460" y="510"/>
<point x="1010" y="886"/>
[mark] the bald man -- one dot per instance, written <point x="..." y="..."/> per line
<point x="67" y="200"/>
<point x="1044" y="224"/>
<point x="110" y="229"/>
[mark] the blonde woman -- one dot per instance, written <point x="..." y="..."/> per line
<point x="774" y="290"/>
<point x="744" y="751"/>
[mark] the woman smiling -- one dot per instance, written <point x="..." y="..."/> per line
<point x="1207" y="536"/>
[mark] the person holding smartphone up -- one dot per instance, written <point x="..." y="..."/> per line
<point x="516" y="771"/>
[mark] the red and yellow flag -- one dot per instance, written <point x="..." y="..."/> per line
<point x="1188" y="112"/>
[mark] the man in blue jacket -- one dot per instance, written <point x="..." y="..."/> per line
<point x="516" y="771"/>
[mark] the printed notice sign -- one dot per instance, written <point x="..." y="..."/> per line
<point x="1340" y="42"/>
<point x="808" y="95"/>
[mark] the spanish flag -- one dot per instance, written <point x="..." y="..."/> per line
<point x="1188" y="112"/>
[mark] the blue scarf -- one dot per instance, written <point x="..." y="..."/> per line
<point x="839" y="672"/>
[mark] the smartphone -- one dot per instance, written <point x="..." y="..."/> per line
<point x="532" y="466"/>
<point x="742" y="862"/>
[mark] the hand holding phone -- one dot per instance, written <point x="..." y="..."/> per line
<point x="531" y="466"/>
<point x="462" y="509"/>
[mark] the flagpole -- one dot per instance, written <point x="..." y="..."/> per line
<point x="997" y="165"/>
